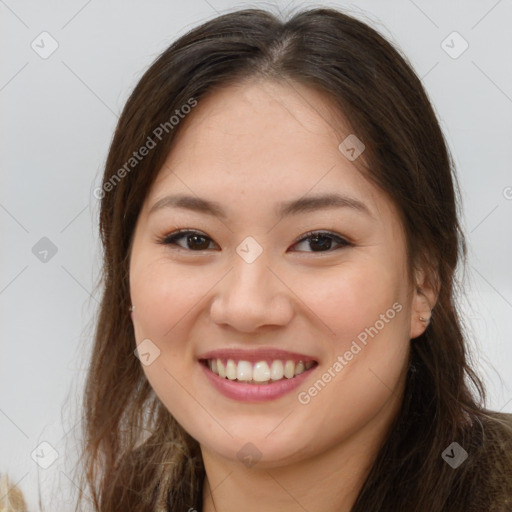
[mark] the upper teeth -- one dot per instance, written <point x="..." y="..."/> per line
<point x="258" y="372"/>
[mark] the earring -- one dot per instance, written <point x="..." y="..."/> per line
<point x="426" y="319"/>
<point x="132" y="308"/>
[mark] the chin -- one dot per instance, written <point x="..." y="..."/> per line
<point x="265" y="451"/>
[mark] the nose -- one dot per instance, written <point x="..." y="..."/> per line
<point x="252" y="296"/>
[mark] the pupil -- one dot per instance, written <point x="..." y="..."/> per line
<point x="195" y="238"/>
<point x="325" y="245"/>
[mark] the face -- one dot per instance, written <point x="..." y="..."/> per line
<point x="260" y="331"/>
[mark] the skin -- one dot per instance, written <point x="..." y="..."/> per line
<point x="250" y="146"/>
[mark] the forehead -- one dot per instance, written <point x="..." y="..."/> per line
<point x="266" y="118"/>
<point x="260" y="143"/>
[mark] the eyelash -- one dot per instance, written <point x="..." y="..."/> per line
<point x="171" y="238"/>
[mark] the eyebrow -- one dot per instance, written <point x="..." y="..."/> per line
<point x="285" y="209"/>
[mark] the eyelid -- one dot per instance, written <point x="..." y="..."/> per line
<point x="174" y="235"/>
<point x="331" y="234"/>
<point x="169" y="238"/>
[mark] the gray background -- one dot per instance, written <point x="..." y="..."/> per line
<point x="57" y="119"/>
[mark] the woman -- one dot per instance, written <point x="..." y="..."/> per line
<point x="278" y="329"/>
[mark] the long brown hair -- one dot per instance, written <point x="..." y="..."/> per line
<point x="135" y="455"/>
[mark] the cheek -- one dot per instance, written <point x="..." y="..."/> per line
<point x="366" y="357"/>
<point x="165" y="294"/>
<point x="364" y="307"/>
<point x="166" y="297"/>
<point x="350" y="298"/>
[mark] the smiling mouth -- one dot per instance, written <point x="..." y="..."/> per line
<point x="260" y="372"/>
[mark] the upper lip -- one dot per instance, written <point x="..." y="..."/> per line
<point x="260" y="354"/>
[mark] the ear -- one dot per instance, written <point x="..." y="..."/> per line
<point x="423" y="301"/>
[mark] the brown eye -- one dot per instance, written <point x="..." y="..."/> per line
<point x="194" y="240"/>
<point x="320" y="241"/>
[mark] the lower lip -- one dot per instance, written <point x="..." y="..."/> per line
<point x="255" y="392"/>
